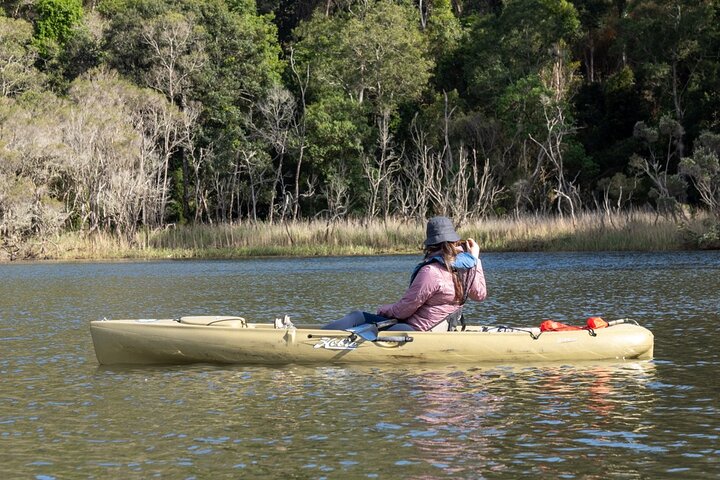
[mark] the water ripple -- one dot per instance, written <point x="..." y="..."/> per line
<point x="62" y="416"/>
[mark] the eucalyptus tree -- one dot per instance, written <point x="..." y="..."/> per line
<point x="114" y="161"/>
<point x="666" y="43"/>
<point x="373" y="57"/>
<point x="703" y="170"/>
<point x="516" y="69"/>
<point x="220" y="56"/>
<point x="29" y="164"/>
<point x="17" y="57"/>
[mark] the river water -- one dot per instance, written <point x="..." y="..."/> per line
<point x="63" y="416"/>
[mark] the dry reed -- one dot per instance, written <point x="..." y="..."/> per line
<point x="640" y="231"/>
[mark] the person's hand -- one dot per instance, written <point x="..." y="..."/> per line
<point x="473" y="247"/>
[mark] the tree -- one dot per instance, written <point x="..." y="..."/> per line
<point x="598" y="19"/>
<point x="113" y="158"/>
<point x="666" y="41"/>
<point x="558" y="82"/>
<point x="375" y="57"/>
<point x="502" y="49"/>
<point x="56" y="22"/>
<point x="277" y="127"/>
<point x="662" y="145"/>
<point x="703" y="170"/>
<point x="221" y="57"/>
<point x="337" y="135"/>
<point x="17" y="58"/>
<point x="29" y="215"/>
<point x="517" y="70"/>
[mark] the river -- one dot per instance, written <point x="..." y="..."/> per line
<point x="63" y="416"/>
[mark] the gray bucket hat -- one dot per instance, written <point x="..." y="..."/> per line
<point x="440" y="229"/>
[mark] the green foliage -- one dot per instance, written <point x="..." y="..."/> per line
<point x="377" y="55"/>
<point x="444" y="30"/>
<point x="666" y="41"/>
<point x="603" y="98"/>
<point x="336" y="131"/>
<point x="580" y="165"/>
<point x="56" y="22"/>
<point x="508" y="48"/>
<point x="703" y="170"/>
<point x="17" y="58"/>
<point x="243" y="7"/>
<point x="174" y="212"/>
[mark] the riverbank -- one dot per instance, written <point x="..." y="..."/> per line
<point x="627" y="231"/>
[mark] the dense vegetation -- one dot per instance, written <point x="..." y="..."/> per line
<point x="120" y="116"/>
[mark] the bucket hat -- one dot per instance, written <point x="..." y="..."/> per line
<point x="440" y="229"/>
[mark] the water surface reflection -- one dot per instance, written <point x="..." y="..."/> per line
<point x="63" y="416"/>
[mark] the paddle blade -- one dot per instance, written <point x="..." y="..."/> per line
<point x="367" y="331"/>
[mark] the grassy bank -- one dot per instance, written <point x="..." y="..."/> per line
<point x="590" y="232"/>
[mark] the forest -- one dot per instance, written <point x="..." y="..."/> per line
<point x="123" y="116"/>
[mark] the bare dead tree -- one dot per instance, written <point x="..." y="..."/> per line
<point x="255" y="167"/>
<point x="486" y="187"/>
<point x="300" y="126"/>
<point x="379" y="170"/>
<point x="558" y="81"/>
<point x="336" y="192"/>
<point x="177" y="52"/>
<point x="276" y="126"/>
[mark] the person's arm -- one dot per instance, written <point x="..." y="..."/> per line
<point x="465" y="261"/>
<point x="423" y="287"/>
<point x="477" y="289"/>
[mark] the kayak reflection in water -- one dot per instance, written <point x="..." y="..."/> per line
<point x="450" y="273"/>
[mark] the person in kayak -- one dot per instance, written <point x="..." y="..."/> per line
<point x="450" y="273"/>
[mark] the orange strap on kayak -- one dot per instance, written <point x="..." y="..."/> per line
<point x="592" y="323"/>
<point x="553" y="326"/>
<point x="596" y="322"/>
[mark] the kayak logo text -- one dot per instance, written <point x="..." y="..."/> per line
<point x="336" y="344"/>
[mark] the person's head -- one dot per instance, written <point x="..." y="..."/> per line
<point x="440" y="230"/>
<point x="442" y="239"/>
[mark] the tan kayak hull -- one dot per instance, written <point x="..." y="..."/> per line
<point x="231" y="340"/>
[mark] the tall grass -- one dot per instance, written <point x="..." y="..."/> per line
<point x="587" y="232"/>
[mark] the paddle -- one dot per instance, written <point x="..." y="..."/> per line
<point x="369" y="331"/>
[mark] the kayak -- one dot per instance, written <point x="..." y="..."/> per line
<point x="233" y="340"/>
